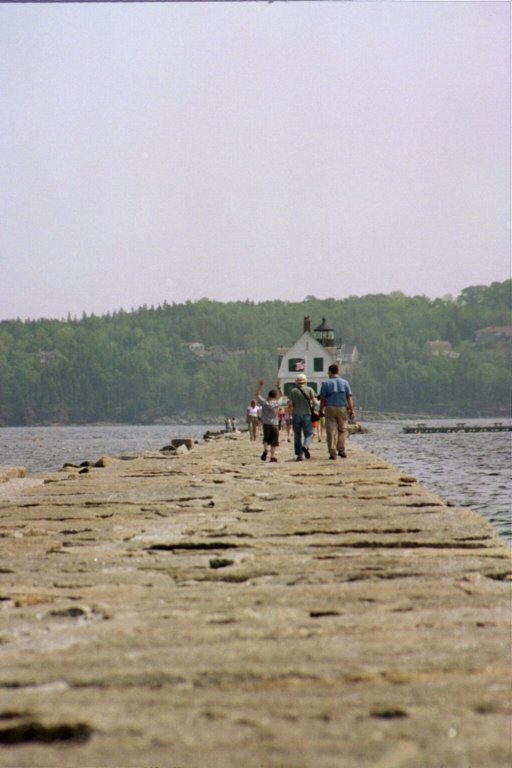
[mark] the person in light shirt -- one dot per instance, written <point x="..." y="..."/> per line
<point x="337" y="404"/>
<point x="252" y="415"/>
<point x="270" y="417"/>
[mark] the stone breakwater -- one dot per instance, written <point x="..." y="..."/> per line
<point x="203" y="607"/>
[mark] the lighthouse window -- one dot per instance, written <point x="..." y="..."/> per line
<point x="318" y="364"/>
<point x="297" y="364"/>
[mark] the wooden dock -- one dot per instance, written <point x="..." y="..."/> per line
<point x="423" y="428"/>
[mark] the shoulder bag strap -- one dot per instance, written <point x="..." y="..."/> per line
<point x="307" y="398"/>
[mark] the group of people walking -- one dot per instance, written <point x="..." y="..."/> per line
<point x="334" y="403"/>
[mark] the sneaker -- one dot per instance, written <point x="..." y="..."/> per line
<point x="342" y="454"/>
<point x="264" y="456"/>
<point x="299" y="458"/>
<point x="273" y="459"/>
<point x="333" y="458"/>
<point x="306" y="453"/>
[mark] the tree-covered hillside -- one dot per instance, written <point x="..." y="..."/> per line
<point x="139" y="366"/>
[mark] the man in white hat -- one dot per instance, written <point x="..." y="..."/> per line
<point x="302" y="399"/>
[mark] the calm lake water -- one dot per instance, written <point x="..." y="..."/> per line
<point x="466" y="469"/>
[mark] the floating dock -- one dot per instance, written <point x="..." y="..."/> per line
<point x="497" y="426"/>
<point x="206" y="607"/>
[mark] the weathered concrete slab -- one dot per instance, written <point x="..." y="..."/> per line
<point x="213" y="608"/>
<point x="9" y="473"/>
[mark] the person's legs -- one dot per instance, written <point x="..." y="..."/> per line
<point x="308" y="431"/>
<point x="342" y="424"/>
<point x="267" y="440"/>
<point x="297" y="435"/>
<point x="331" y="430"/>
<point x="274" y="443"/>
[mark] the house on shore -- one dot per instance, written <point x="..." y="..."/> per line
<point x="312" y="354"/>
<point x="440" y="348"/>
<point x="495" y="334"/>
<point x="197" y="352"/>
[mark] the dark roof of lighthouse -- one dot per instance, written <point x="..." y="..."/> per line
<point x="323" y="327"/>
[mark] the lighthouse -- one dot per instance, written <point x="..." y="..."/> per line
<point x="312" y="354"/>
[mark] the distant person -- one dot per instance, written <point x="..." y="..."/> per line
<point x="302" y="399"/>
<point x="260" y="423"/>
<point x="337" y="404"/>
<point x="270" y="418"/>
<point x="251" y="418"/>
<point x="318" y="429"/>
<point x="288" y="420"/>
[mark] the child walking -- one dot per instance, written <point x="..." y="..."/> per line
<point x="270" y="418"/>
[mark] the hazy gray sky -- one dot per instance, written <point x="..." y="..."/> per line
<point x="165" y="152"/>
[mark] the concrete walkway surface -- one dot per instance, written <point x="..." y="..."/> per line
<point x="207" y="608"/>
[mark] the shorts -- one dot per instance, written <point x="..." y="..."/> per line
<point x="271" y="435"/>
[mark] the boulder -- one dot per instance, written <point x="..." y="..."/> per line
<point x="357" y="428"/>
<point x="188" y="442"/>
<point x="105" y="461"/>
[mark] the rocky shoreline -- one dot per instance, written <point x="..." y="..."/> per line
<point x="199" y="605"/>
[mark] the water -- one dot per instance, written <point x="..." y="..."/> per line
<point x="46" y="449"/>
<point x="466" y="469"/>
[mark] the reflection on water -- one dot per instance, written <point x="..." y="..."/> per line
<point x="467" y="469"/>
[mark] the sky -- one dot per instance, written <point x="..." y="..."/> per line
<point x="166" y="152"/>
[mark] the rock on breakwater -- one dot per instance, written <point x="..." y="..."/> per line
<point x="205" y="605"/>
<point x="10" y="473"/>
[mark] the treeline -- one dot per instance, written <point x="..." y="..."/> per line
<point x="135" y="366"/>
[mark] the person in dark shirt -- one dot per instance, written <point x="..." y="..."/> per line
<point x="303" y="399"/>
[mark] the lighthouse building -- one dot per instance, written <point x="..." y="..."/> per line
<point x="312" y="354"/>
